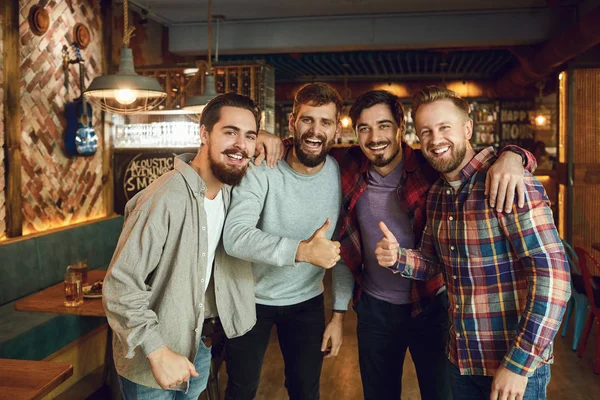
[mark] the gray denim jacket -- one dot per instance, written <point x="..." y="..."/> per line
<point x="154" y="293"/>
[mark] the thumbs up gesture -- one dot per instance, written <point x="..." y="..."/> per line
<point x="386" y="250"/>
<point x="318" y="250"/>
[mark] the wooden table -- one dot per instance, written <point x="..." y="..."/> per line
<point x="51" y="300"/>
<point x="23" y="379"/>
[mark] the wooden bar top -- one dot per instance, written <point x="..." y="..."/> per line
<point x="24" y="379"/>
<point x="51" y="300"/>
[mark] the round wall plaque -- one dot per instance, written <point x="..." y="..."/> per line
<point x="81" y="35"/>
<point x="38" y="19"/>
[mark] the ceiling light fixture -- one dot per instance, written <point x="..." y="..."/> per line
<point x="125" y="92"/>
<point x="197" y="103"/>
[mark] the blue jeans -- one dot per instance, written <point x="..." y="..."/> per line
<point x="476" y="387"/>
<point x="133" y="391"/>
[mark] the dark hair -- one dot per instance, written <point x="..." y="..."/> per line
<point x="211" y="114"/>
<point x="375" y="97"/>
<point x="430" y="94"/>
<point x="317" y="94"/>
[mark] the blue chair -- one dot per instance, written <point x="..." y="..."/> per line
<point x="578" y="302"/>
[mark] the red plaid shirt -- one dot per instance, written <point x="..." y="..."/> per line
<point x="417" y="178"/>
<point x="508" y="278"/>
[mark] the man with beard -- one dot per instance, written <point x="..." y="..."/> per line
<point x="155" y="292"/>
<point x="386" y="180"/>
<point x="506" y="273"/>
<point x="281" y="221"/>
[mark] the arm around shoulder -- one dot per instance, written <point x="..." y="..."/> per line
<point x="241" y="236"/>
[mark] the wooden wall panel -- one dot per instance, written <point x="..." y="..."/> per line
<point x="586" y="215"/>
<point x="12" y="117"/>
<point x="57" y="190"/>
<point x="586" y="157"/>
<point x="587" y="116"/>
<point x="2" y="141"/>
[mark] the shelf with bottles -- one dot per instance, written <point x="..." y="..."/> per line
<point x="410" y="135"/>
<point x="485" y="123"/>
<point x="153" y="131"/>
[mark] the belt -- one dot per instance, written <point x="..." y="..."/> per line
<point x="210" y="326"/>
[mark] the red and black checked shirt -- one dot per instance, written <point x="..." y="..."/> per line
<point x="417" y="178"/>
<point x="506" y="273"/>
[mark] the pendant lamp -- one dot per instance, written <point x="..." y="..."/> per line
<point x="197" y="103"/>
<point x="125" y="92"/>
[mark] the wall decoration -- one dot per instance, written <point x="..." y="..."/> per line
<point x="81" y="35"/>
<point x="38" y="19"/>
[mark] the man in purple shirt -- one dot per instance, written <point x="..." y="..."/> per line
<point x="385" y="180"/>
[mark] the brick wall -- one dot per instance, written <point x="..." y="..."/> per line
<point x="57" y="190"/>
<point x="2" y="173"/>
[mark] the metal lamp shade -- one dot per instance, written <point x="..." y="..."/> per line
<point x="125" y="92"/>
<point x="197" y="103"/>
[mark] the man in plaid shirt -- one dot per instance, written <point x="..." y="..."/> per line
<point x="506" y="273"/>
<point x="385" y="180"/>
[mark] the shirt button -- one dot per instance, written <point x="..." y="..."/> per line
<point x="456" y="306"/>
<point x="203" y="228"/>
<point x="447" y="191"/>
<point x="203" y="254"/>
<point x="453" y="276"/>
<point x="201" y="280"/>
<point x="457" y="334"/>
<point x="451" y="218"/>
<point x="451" y="247"/>
<point x="200" y="305"/>
<point x="196" y="330"/>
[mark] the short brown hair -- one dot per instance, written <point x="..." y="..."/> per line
<point x="211" y="114"/>
<point x="315" y="95"/>
<point x="429" y="94"/>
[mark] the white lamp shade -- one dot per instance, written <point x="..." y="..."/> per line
<point x="125" y="92"/>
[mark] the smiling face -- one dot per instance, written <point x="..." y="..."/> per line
<point x="230" y="144"/>
<point x="379" y="135"/>
<point x="315" y="129"/>
<point x="444" y="131"/>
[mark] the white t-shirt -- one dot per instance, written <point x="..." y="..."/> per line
<point x="215" y="218"/>
<point x="455" y="184"/>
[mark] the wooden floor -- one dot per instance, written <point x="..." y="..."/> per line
<point x="572" y="377"/>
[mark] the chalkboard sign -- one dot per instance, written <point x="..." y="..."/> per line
<point x="135" y="170"/>
<point x="516" y="123"/>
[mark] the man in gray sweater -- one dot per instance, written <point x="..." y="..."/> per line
<point x="156" y="293"/>
<point x="281" y="220"/>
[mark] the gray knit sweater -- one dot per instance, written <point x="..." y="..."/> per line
<point x="271" y="211"/>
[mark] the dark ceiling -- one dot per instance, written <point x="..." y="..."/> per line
<point x="382" y="65"/>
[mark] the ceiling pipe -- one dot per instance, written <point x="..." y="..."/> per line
<point x="561" y="48"/>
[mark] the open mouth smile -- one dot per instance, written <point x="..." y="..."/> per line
<point x="440" y="150"/>
<point x="312" y="143"/>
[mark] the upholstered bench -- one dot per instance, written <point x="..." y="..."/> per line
<point x="30" y="264"/>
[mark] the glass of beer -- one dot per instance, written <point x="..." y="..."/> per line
<point x="73" y="288"/>
<point x="81" y="266"/>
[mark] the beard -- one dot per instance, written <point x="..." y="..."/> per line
<point x="312" y="160"/>
<point x="445" y="166"/>
<point x="381" y="160"/>
<point x="227" y="174"/>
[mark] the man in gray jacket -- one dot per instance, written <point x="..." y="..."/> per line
<point x="155" y="291"/>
